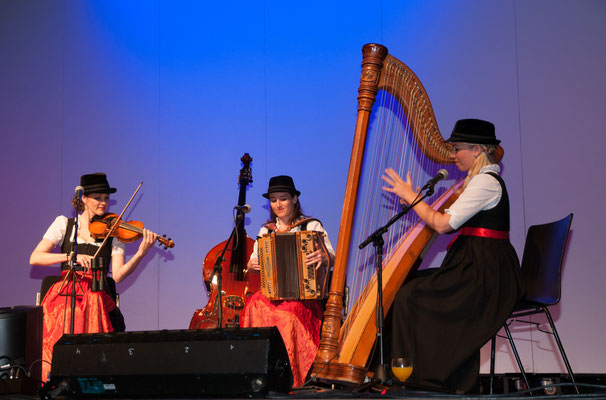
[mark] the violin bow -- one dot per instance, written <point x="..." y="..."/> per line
<point x="118" y="219"/>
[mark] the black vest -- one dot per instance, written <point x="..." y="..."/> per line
<point x="497" y="218"/>
<point x="85" y="248"/>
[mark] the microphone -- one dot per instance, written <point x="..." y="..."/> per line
<point x="79" y="190"/>
<point x="245" y="209"/>
<point x="442" y="174"/>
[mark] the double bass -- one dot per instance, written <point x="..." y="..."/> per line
<point x="237" y="282"/>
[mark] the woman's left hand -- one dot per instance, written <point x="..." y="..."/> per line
<point x="403" y="188"/>
<point x="147" y="242"/>
<point x="317" y="257"/>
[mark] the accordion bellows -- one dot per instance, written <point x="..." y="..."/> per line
<point x="284" y="275"/>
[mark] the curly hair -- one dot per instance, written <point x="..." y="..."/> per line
<point x="75" y="204"/>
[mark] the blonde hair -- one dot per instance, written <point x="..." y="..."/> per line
<point x="488" y="156"/>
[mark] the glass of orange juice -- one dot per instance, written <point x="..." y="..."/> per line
<point x="401" y="368"/>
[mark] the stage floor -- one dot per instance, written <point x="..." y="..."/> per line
<point x="506" y="387"/>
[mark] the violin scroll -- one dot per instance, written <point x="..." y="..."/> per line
<point x="165" y="242"/>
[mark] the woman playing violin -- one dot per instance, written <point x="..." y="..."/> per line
<point x="95" y="311"/>
<point x="299" y="321"/>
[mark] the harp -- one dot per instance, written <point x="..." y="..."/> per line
<point x="396" y="128"/>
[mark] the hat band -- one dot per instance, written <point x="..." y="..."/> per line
<point x="281" y="189"/>
<point x="99" y="188"/>
<point x="472" y="139"/>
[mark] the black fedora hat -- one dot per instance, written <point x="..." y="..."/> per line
<point x="96" y="183"/>
<point x="475" y="131"/>
<point x="281" y="183"/>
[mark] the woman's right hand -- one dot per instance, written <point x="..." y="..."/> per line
<point x="84" y="260"/>
<point x="253" y="264"/>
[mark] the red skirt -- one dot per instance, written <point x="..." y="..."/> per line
<point x="90" y="314"/>
<point x="299" y="323"/>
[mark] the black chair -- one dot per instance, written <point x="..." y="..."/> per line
<point x="541" y="275"/>
<point x="50" y="280"/>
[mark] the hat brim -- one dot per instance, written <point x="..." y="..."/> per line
<point x="471" y="140"/>
<point x="285" y="189"/>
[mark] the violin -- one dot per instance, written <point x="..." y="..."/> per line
<point x="126" y="232"/>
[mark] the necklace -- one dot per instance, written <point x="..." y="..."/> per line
<point x="285" y="229"/>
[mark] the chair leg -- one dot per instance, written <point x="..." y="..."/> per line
<point x="559" y="342"/>
<point x="517" y="356"/>
<point x="492" y="350"/>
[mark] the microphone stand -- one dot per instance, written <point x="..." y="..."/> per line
<point x="218" y="269"/>
<point x="376" y="238"/>
<point x="72" y="266"/>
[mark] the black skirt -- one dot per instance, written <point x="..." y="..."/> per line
<point x="442" y="320"/>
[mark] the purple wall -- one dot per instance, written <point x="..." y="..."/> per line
<point x="173" y="93"/>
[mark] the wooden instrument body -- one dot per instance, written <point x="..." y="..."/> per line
<point x="284" y="274"/>
<point x="237" y="282"/>
<point x="236" y="288"/>
<point x="345" y="345"/>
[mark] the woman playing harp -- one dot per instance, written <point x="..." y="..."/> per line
<point x="442" y="319"/>
<point x="396" y="128"/>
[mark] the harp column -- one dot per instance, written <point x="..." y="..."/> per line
<point x="372" y="64"/>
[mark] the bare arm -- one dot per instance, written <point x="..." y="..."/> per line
<point x="403" y="188"/>
<point x="43" y="255"/>
<point x="121" y="270"/>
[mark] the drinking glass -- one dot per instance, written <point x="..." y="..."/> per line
<point x="401" y="368"/>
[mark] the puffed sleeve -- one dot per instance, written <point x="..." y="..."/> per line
<point x="255" y="253"/>
<point x="316" y="226"/>
<point x="482" y="193"/>
<point x="56" y="232"/>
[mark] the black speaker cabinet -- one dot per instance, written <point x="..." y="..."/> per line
<point x="20" y="349"/>
<point x="169" y="363"/>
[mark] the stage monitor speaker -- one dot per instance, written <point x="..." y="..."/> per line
<point x="170" y="363"/>
<point x="20" y="349"/>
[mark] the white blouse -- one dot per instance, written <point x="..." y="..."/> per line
<point x="483" y="192"/>
<point x="56" y="232"/>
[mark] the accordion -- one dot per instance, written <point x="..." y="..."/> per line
<point x="284" y="274"/>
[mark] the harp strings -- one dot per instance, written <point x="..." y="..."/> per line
<point x="390" y="143"/>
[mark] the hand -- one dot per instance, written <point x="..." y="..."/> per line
<point x="147" y="242"/>
<point x="253" y="264"/>
<point x="400" y="187"/>
<point x="318" y="257"/>
<point x="84" y="261"/>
